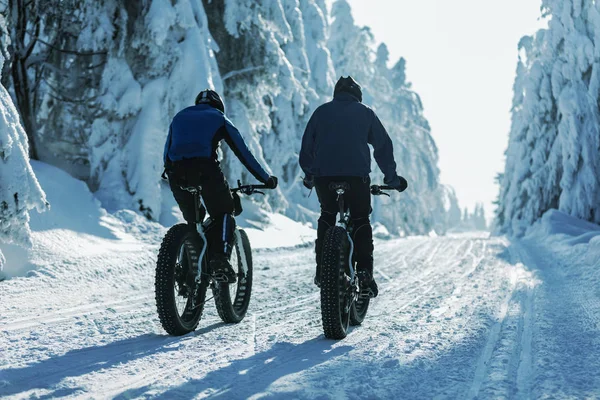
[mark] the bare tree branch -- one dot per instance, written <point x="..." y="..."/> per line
<point x="68" y="51"/>
<point x="33" y="42"/>
<point x="60" y="97"/>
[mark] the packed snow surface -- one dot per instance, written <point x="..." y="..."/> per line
<point x="464" y="316"/>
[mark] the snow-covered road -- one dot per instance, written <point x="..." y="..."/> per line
<point x="463" y="316"/>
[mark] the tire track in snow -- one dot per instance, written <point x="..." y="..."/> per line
<point x="428" y="269"/>
<point x="504" y="366"/>
<point x="66" y="315"/>
<point x="256" y="331"/>
<point x="492" y="339"/>
<point x="525" y="369"/>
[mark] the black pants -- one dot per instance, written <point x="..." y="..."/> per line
<point x="217" y="199"/>
<point x="358" y="200"/>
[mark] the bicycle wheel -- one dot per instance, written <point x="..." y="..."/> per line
<point x="232" y="300"/>
<point x="179" y="299"/>
<point x="335" y="284"/>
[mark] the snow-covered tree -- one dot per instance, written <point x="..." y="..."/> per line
<point x="162" y="56"/>
<point x="19" y="188"/>
<point x="117" y="73"/>
<point x="553" y="157"/>
<point x="453" y="212"/>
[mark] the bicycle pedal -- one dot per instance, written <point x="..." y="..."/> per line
<point x="222" y="278"/>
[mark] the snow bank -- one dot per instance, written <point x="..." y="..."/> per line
<point x="77" y="223"/>
<point x="268" y="230"/>
<point x="569" y="237"/>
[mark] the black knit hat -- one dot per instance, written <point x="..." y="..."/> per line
<point x="348" y="85"/>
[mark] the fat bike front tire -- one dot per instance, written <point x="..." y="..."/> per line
<point x="335" y="284"/>
<point x="232" y="300"/>
<point x="179" y="299"/>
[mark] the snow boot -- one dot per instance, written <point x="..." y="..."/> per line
<point x="366" y="282"/>
<point x="221" y="269"/>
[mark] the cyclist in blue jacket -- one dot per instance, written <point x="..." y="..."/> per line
<point x="335" y="147"/>
<point x="190" y="159"/>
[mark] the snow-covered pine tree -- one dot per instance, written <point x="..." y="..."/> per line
<point x="453" y="215"/>
<point x="553" y="157"/>
<point x="20" y="191"/>
<point x="161" y="57"/>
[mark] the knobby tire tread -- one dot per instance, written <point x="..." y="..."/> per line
<point x="164" y="283"/>
<point x="334" y="260"/>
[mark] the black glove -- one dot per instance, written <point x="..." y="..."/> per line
<point x="398" y="183"/>
<point x="271" y="183"/>
<point x="309" y="182"/>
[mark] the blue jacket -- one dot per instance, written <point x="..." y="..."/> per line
<point x="336" y="139"/>
<point x="197" y="131"/>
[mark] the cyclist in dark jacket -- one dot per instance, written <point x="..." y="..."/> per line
<point x="335" y="148"/>
<point x="190" y="159"/>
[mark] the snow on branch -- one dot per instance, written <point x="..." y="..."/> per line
<point x="231" y="74"/>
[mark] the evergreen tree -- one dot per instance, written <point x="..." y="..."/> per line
<point x="19" y="189"/>
<point x="553" y="157"/>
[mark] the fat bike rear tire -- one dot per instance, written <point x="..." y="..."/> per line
<point x="232" y="300"/>
<point x="335" y="284"/>
<point x="179" y="299"/>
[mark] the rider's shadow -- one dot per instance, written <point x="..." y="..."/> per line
<point x="49" y="373"/>
<point x="246" y="377"/>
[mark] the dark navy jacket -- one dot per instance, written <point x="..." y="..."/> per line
<point x="336" y="140"/>
<point x="197" y="131"/>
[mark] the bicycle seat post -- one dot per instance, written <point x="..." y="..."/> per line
<point x="340" y="192"/>
<point x="197" y="203"/>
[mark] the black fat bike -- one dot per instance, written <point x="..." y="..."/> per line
<point x="343" y="301"/>
<point x="183" y="273"/>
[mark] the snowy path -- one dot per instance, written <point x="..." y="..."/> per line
<point x="457" y="317"/>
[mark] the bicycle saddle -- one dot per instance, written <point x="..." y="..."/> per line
<point x="335" y="186"/>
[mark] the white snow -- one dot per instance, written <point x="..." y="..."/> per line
<point x="462" y="316"/>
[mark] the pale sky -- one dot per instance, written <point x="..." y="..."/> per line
<point x="461" y="59"/>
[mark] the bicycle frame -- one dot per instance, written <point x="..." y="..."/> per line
<point x="345" y="218"/>
<point x="201" y="226"/>
<point x="344" y="223"/>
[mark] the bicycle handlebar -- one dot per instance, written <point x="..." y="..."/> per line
<point x="378" y="190"/>
<point x="249" y="189"/>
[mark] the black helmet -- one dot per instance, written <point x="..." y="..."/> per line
<point x="348" y="85"/>
<point x="211" y="98"/>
